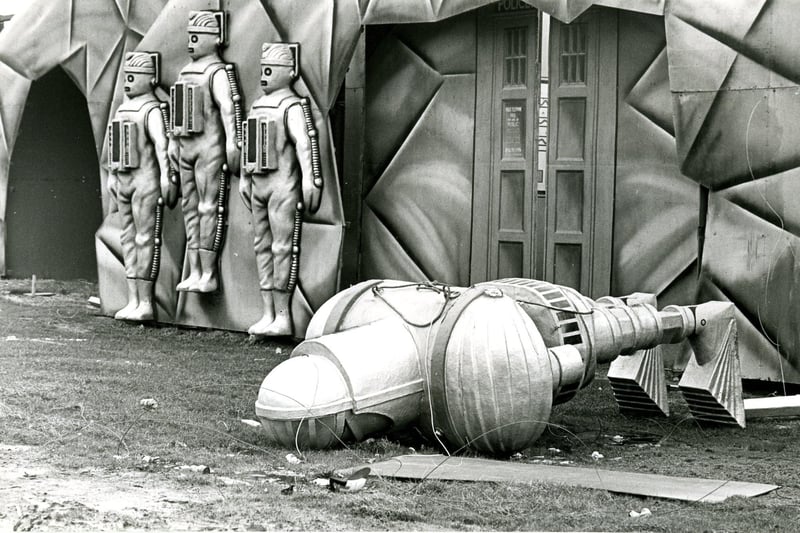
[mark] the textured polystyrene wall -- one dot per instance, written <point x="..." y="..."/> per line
<point x="419" y="150"/>
<point x="655" y="206"/>
<point x="87" y="38"/>
<point x="734" y="72"/>
<point x="13" y="95"/>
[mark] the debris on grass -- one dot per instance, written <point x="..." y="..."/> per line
<point x="639" y="440"/>
<point x="34" y="292"/>
<point x="644" y="512"/>
<point x="348" y="481"/>
<point x="93" y="302"/>
<point x="200" y="469"/>
<point x="285" y="476"/>
<point x="44" y="340"/>
<point x="288" y="491"/>
<point x="148" y="403"/>
<point x="293" y="459"/>
<point x="231" y="481"/>
<point x="351" y="485"/>
<point x="251" y="423"/>
<point x="172" y="499"/>
<point x="597" y="455"/>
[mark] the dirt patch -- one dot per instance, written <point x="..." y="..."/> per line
<point x="35" y="495"/>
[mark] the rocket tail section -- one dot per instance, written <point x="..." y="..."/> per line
<point x="712" y="381"/>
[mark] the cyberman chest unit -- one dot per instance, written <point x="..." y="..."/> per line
<point x="186" y="103"/>
<point x="259" y="152"/>
<point x="123" y="151"/>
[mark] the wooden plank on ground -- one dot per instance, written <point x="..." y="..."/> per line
<point x="772" y="407"/>
<point x="656" y="486"/>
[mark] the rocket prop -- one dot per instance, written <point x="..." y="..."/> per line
<point x="481" y="367"/>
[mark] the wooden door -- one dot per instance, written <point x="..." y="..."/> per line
<point x="505" y="148"/>
<point x="580" y="169"/>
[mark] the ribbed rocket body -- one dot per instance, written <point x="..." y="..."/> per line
<point x="476" y="367"/>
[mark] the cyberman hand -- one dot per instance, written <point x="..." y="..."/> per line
<point x="246" y="191"/>
<point x="170" y="188"/>
<point x="111" y="187"/>
<point x="312" y="194"/>
<point x="233" y="156"/>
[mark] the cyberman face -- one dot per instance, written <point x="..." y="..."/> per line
<point x="201" y="44"/>
<point x="274" y="77"/>
<point x="137" y="83"/>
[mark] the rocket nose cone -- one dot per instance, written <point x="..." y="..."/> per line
<point x="304" y="400"/>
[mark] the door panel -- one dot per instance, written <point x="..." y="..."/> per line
<point x="580" y="169"/>
<point x="569" y="171"/>
<point x="505" y="154"/>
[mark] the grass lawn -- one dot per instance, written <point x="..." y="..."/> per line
<point x="77" y="451"/>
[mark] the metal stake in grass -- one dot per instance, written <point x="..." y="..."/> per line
<point x="33" y="292"/>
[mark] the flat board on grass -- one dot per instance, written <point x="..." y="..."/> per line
<point x="474" y="469"/>
<point x="772" y="407"/>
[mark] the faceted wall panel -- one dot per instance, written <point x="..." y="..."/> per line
<point x="419" y="151"/>
<point x="753" y="262"/>
<point x="656" y="207"/>
<point x="734" y="73"/>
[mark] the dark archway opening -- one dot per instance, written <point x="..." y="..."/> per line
<point x="54" y="201"/>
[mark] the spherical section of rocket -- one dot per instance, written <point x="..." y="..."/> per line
<point x="490" y="378"/>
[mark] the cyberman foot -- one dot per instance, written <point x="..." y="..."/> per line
<point x="126" y="312"/>
<point x="206" y="283"/>
<point x="208" y="280"/>
<point x="143" y="313"/>
<point x="280" y="327"/>
<point x="189" y="284"/>
<point x="191" y="281"/>
<point x="133" y="301"/>
<point x="261" y="328"/>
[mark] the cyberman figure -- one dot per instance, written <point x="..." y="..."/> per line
<point x="204" y="144"/>
<point x="280" y="180"/>
<point x="139" y="180"/>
